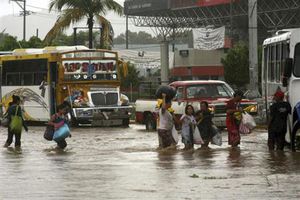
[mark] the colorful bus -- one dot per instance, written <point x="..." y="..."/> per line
<point x="281" y="71"/>
<point x="88" y="79"/>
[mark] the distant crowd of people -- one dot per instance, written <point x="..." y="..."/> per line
<point x="202" y="120"/>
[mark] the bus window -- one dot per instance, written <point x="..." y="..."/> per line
<point x="273" y="62"/>
<point x="27" y="79"/>
<point x="29" y="71"/>
<point x="284" y="55"/>
<point x="12" y="79"/>
<point x="265" y="63"/>
<point x="269" y="63"/>
<point x="297" y="61"/>
<point x="39" y="77"/>
<point x="278" y="63"/>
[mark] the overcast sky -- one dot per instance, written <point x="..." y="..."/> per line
<point x="41" y="19"/>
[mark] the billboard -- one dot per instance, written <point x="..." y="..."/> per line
<point x="206" y="3"/>
<point x="144" y="7"/>
<point x="183" y="3"/>
<point x="197" y="3"/>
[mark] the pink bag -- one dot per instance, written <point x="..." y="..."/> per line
<point x="243" y="129"/>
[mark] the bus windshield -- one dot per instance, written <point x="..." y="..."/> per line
<point x="81" y="66"/>
<point x="297" y="61"/>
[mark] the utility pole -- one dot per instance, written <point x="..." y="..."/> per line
<point x="253" y="54"/>
<point x="126" y="34"/>
<point x="231" y="21"/>
<point x="23" y="13"/>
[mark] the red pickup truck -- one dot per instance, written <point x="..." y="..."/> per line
<point x="216" y="93"/>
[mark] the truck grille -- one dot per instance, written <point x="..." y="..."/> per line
<point x="220" y="109"/>
<point x="104" y="99"/>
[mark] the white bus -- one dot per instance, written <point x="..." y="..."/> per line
<point x="281" y="70"/>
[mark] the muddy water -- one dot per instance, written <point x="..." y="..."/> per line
<point x="118" y="163"/>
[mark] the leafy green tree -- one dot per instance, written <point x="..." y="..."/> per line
<point x="236" y="65"/>
<point x="35" y="42"/>
<point x="72" y="11"/>
<point x="131" y="78"/>
<point x="120" y="39"/>
<point x="8" y="43"/>
<point x="62" y="40"/>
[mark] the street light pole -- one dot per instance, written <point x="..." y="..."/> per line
<point x="253" y="54"/>
<point x="24" y="21"/>
<point x="126" y="33"/>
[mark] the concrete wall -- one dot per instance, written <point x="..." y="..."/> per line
<point x="199" y="58"/>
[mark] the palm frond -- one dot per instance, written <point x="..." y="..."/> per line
<point x="57" y="4"/>
<point x="67" y="17"/>
<point x="106" y="38"/>
<point x="114" y="6"/>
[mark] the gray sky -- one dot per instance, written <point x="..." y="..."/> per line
<point x="43" y="20"/>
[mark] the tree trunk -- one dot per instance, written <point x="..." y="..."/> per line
<point x="90" y="26"/>
<point x="102" y="38"/>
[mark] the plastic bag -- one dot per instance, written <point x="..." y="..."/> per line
<point x="197" y="139"/>
<point x="16" y="123"/>
<point x="49" y="133"/>
<point x="217" y="139"/>
<point x="248" y="121"/>
<point x="168" y="90"/>
<point x="175" y="134"/>
<point x="61" y="133"/>
<point x="243" y="129"/>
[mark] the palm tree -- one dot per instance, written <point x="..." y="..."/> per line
<point x="73" y="11"/>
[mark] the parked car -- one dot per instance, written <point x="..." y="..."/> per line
<point x="216" y="93"/>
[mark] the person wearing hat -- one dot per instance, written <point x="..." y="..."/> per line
<point x="279" y="112"/>
<point x="232" y="124"/>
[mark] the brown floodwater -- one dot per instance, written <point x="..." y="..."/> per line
<point x="123" y="163"/>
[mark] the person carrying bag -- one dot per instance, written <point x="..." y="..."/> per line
<point x="16" y="123"/>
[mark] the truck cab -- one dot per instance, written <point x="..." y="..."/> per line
<point x="216" y="93"/>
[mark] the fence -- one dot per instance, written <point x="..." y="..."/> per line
<point x="145" y="90"/>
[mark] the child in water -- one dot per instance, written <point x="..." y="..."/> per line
<point x="58" y="120"/>
<point x="188" y="123"/>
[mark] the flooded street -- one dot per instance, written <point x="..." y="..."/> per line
<point x="118" y="163"/>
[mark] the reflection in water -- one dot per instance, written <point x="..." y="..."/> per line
<point x="113" y="163"/>
<point x="234" y="157"/>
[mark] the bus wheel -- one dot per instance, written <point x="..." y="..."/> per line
<point x="150" y="123"/>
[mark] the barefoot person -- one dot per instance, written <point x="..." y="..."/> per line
<point x="232" y="124"/>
